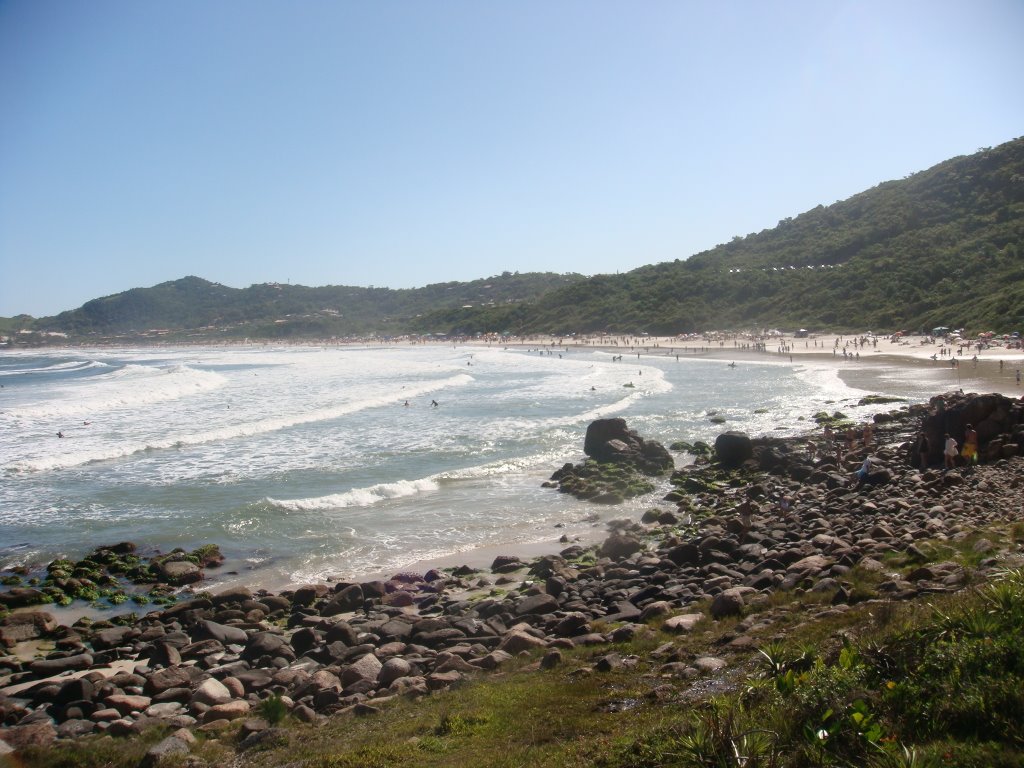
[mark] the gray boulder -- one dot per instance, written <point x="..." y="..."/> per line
<point x="536" y="604"/>
<point x="211" y="630"/>
<point x="611" y="441"/>
<point x="619" y="546"/>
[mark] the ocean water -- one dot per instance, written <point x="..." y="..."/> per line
<point x="306" y="464"/>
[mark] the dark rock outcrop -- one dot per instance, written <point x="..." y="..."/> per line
<point x="620" y="463"/>
<point x="611" y="441"/>
<point x="998" y="420"/>
<point x="733" y="448"/>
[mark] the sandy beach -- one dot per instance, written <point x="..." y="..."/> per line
<point x="993" y="370"/>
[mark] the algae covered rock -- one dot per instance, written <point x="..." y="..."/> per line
<point x="619" y="463"/>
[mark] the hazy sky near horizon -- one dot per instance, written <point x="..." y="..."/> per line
<point x="405" y="143"/>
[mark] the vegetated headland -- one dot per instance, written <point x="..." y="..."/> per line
<point x="942" y="247"/>
<point x="846" y="597"/>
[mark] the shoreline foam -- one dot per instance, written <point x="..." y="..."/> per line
<point x="865" y="373"/>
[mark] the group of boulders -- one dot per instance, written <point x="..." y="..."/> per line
<point x="777" y="520"/>
<point x="109" y="575"/>
<point x="997" y="419"/>
<point x="619" y="465"/>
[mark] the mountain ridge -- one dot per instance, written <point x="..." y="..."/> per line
<point x="944" y="246"/>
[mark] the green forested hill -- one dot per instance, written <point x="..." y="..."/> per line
<point x="274" y="310"/>
<point x="942" y="247"/>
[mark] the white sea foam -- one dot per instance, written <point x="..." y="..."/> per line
<point x="303" y="460"/>
<point x="358" y="497"/>
<point x="110" y="452"/>
<point x="503" y="467"/>
<point x="653" y="383"/>
<point x="826" y="379"/>
<point x="365" y="497"/>
<point x="66" y="367"/>
<point x="132" y="386"/>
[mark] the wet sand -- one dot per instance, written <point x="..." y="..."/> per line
<point x="864" y="367"/>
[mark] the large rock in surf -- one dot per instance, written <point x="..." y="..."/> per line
<point x="179" y="572"/>
<point x="20" y="597"/>
<point x="620" y="463"/>
<point x="733" y="448"/>
<point x="611" y="441"/>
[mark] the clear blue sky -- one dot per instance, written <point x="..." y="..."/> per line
<point x="410" y="142"/>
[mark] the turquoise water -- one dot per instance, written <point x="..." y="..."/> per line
<point x="304" y="463"/>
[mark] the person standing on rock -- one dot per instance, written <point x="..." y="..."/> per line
<point x="851" y="439"/>
<point x="970" y="452"/>
<point x="861" y="475"/>
<point x="786" y="507"/>
<point x="923" y="450"/>
<point x="950" y="452"/>
<point x="746" y="510"/>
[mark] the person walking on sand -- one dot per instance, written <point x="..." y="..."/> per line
<point x="949" y="452"/>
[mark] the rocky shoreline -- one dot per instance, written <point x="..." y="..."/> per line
<point x="769" y="514"/>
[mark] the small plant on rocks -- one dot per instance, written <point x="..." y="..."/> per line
<point x="273" y="709"/>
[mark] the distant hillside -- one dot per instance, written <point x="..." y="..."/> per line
<point x="273" y="310"/>
<point x="942" y="247"/>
